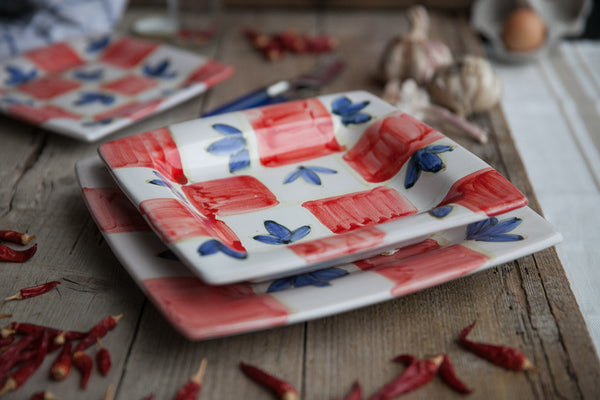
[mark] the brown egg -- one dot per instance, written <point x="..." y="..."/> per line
<point x="524" y="30"/>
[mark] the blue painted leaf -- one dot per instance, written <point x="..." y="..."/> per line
<point x="158" y="182"/>
<point x="427" y="161"/>
<point x="323" y="170"/>
<point x="227" y="130"/>
<point x="17" y="76"/>
<point x="299" y="233"/>
<point x="97" y="44"/>
<point x="295" y="174"/>
<point x="491" y="230"/>
<point x="339" y="104"/>
<point x="231" y="252"/>
<point x="278" y="230"/>
<point x="308" y="279"/>
<point x="209" y="247"/>
<point x="498" y="228"/>
<point x="239" y="160"/>
<point x="268" y="239"/>
<point x="477" y="227"/>
<point x="413" y="172"/>
<point x="159" y="70"/>
<point x="309" y="176"/>
<point x="353" y="108"/>
<point x="500" y="238"/>
<point x="93" y="97"/>
<point x="355" y="118"/>
<point x="168" y="255"/>
<point x="329" y="273"/>
<point x="227" y="146"/>
<point x="438" y="148"/>
<point x="279" y="285"/>
<point x="89" y="75"/>
<point x="440" y="212"/>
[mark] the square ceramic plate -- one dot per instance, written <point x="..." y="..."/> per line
<point x="302" y="185"/>
<point x="90" y="87"/>
<point x="200" y="311"/>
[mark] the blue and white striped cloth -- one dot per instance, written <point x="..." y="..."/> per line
<point x="50" y="21"/>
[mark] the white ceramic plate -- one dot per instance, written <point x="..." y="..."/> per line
<point x="90" y="87"/>
<point x="201" y="311"/>
<point x="301" y="185"/>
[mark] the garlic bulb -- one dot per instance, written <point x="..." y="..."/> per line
<point x="466" y="86"/>
<point x="414" y="55"/>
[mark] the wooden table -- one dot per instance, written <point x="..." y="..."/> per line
<point x="526" y="303"/>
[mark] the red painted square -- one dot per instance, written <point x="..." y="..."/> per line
<point x="127" y="52"/>
<point x="229" y="196"/>
<point x="153" y="149"/>
<point x="39" y="115"/>
<point x="387" y="144"/>
<point x="291" y="132"/>
<point x="354" y="210"/>
<point x="132" y="111"/>
<point x="48" y="87"/>
<point x="130" y="85"/>
<point x="338" y="245"/>
<point x="398" y="255"/>
<point x="431" y="268"/>
<point x="55" y="58"/>
<point x="209" y="73"/>
<point x="113" y="211"/>
<point x="174" y="222"/>
<point x="487" y="191"/>
<point x="202" y="311"/>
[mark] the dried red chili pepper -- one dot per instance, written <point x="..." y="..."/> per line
<point x="84" y="364"/>
<point x="20" y="376"/>
<point x="16" y="237"/>
<point x="192" y="388"/>
<point x="62" y="365"/>
<point x="448" y="375"/>
<point x="33" y="291"/>
<point x="98" y="331"/>
<point x="283" y="389"/>
<point x="417" y="374"/>
<point x="25" y="328"/>
<point x="503" y="356"/>
<point x="18" y="256"/>
<point x="103" y="359"/>
<point x="355" y="392"/>
<point x="45" y="395"/>
<point x="14" y="353"/>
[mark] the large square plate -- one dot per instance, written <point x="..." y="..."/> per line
<point x="90" y="87"/>
<point x="301" y="186"/>
<point x="201" y="311"/>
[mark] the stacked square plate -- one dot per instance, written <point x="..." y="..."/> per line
<point x="288" y="212"/>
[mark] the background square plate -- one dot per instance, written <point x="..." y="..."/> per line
<point x="201" y="311"/>
<point x="90" y="87"/>
<point x="301" y="185"/>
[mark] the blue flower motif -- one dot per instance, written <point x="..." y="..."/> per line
<point x="214" y="246"/>
<point x="425" y="159"/>
<point x="18" y="76"/>
<point x="440" y="212"/>
<point x="159" y="70"/>
<point x="491" y="230"/>
<point x="279" y="234"/>
<point x="158" y="182"/>
<point x="93" y="97"/>
<point x="309" y="174"/>
<point x="318" y="278"/>
<point x="232" y="145"/>
<point x="92" y="75"/>
<point x="97" y="44"/>
<point x="349" y="111"/>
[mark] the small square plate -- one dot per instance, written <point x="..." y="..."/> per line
<point x="90" y="87"/>
<point x="200" y="311"/>
<point x="302" y="185"/>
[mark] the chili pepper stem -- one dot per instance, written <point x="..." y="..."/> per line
<point x="110" y="393"/>
<point x="9" y="385"/>
<point x="5" y="316"/>
<point x="199" y="376"/>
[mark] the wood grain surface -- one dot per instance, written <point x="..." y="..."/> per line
<point x="526" y="303"/>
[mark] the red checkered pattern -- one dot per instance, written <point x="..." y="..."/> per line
<point x="48" y="87"/>
<point x="127" y="52"/>
<point x="55" y="58"/>
<point x="130" y="85"/>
